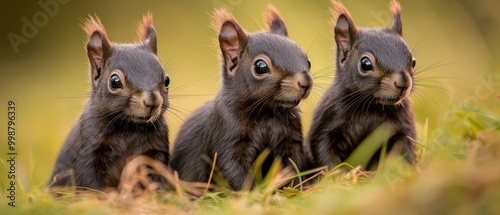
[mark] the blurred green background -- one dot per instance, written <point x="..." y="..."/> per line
<point x="456" y="43"/>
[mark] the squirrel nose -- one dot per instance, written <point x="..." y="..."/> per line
<point x="304" y="85"/>
<point x="399" y="80"/>
<point x="150" y="105"/>
<point x="153" y="100"/>
<point x="399" y="85"/>
<point x="305" y="82"/>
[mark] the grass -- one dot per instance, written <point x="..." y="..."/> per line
<point x="457" y="173"/>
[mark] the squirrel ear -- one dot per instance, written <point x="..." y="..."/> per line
<point x="275" y="22"/>
<point x="397" y="24"/>
<point x="98" y="50"/>
<point x="345" y="35"/>
<point x="346" y="31"/>
<point x="147" y="32"/>
<point x="98" y="46"/>
<point x="232" y="39"/>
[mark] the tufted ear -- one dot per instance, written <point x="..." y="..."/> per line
<point x="232" y="38"/>
<point x="275" y="23"/>
<point x="346" y="32"/>
<point x="98" y="46"/>
<point x="147" y="33"/>
<point x="397" y="23"/>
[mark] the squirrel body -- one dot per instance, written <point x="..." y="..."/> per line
<point x="265" y="76"/>
<point x="124" y="115"/>
<point x="374" y="79"/>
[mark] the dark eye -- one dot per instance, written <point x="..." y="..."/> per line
<point x="260" y="67"/>
<point x="366" y="64"/>
<point x="413" y="62"/>
<point x="309" y="64"/>
<point x="167" y="81"/>
<point x="115" y="82"/>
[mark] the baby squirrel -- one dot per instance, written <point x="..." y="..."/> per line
<point x="264" y="77"/>
<point x="124" y="115"/>
<point x="374" y="79"/>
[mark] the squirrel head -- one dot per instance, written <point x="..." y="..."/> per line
<point x="128" y="80"/>
<point x="265" y="67"/>
<point x="376" y="64"/>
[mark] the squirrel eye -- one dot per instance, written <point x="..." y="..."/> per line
<point x="115" y="82"/>
<point x="413" y="62"/>
<point x="309" y="64"/>
<point x="366" y="64"/>
<point x="260" y="67"/>
<point x="167" y="81"/>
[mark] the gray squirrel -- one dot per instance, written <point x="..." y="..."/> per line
<point x="124" y="115"/>
<point x="373" y="82"/>
<point x="264" y="77"/>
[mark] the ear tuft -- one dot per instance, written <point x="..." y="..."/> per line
<point x="397" y="24"/>
<point x="147" y="33"/>
<point x="395" y="7"/>
<point x="339" y="9"/>
<point x="147" y="20"/>
<point x="274" y="21"/>
<point x="219" y="17"/>
<point x="91" y="24"/>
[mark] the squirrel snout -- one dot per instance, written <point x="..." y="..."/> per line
<point x="145" y="106"/>
<point x="152" y="100"/>
<point x="401" y="81"/>
<point x="304" y="85"/>
<point x="400" y="85"/>
<point x="304" y="82"/>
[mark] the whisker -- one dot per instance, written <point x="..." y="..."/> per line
<point x="179" y="110"/>
<point x="175" y="115"/>
<point x="70" y="109"/>
<point x="315" y="95"/>
<point x="170" y="58"/>
<point x="314" y="40"/>
<point x="439" y="89"/>
<point x="416" y="47"/>
<point x="177" y="96"/>
<point x="71" y="97"/>
<point x="429" y="83"/>
<point x="190" y="84"/>
<point x="112" y="121"/>
<point x="153" y="123"/>
<point x="360" y="100"/>
<point x="267" y="98"/>
<point x="430" y="98"/>
<point x="433" y="66"/>
<point x="260" y="101"/>
<point x="422" y="100"/>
